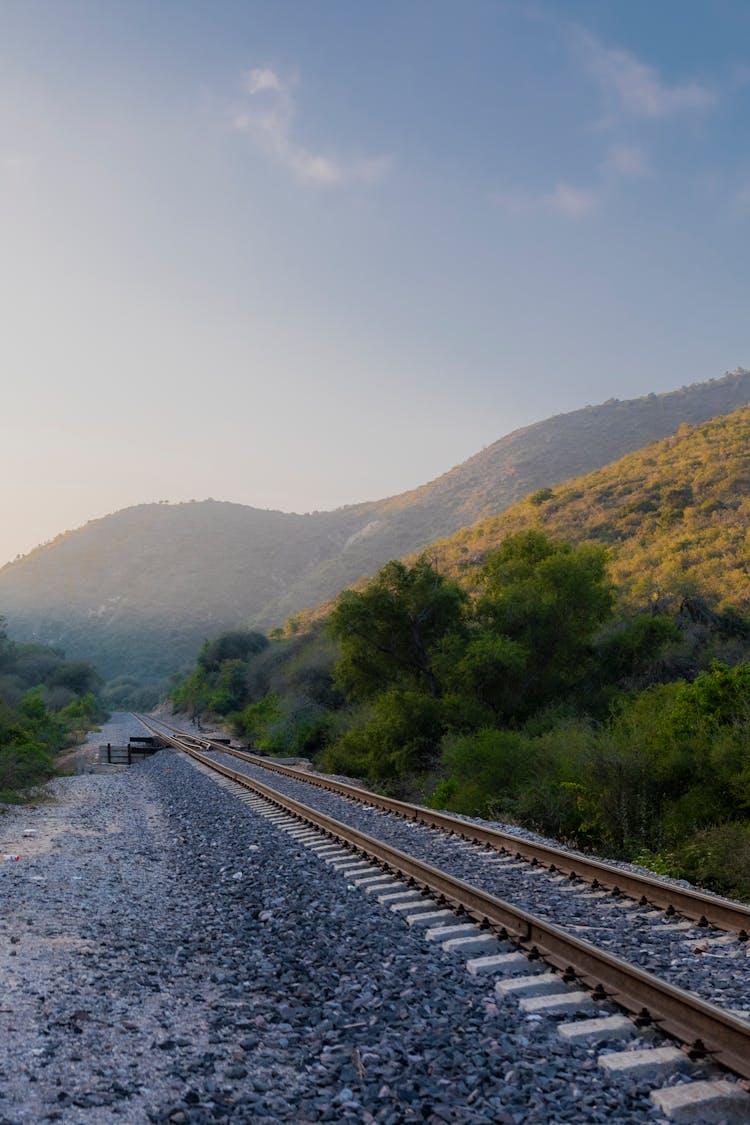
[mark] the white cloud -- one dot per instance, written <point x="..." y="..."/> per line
<point x="570" y="200"/>
<point x="637" y="85"/>
<point x="565" y="199"/>
<point x="626" y="162"/>
<point x="261" y="79"/>
<point x="622" y="162"/>
<point x="268" y="116"/>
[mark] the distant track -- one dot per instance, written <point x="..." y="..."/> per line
<point x="704" y="1028"/>
<point x="705" y="909"/>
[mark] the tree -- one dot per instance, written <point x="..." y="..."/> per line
<point x="396" y="734"/>
<point x="628" y="654"/>
<point x="548" y="597"/>
<point x="7" y="646"/>
<point x="231" y="687"/>
<point x="236" y="644"/>
<point x="76" y="675"/>
<point x="491" y="668"/>
<point x="192" y="694"/>
<point x="390" y="632"/>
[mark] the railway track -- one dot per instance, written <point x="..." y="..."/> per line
<point x="706" y="1032"/>
<point x="705" y="909"/>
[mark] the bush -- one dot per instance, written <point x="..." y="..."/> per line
<point x="290" y="726"/>
<point x="256" y="722"/>
<point x="23" y="765"/>
<point x="237" y="644"/>
<point x="396" y="735"/>
<point x="485" y="767"/>
<point x="719" y="858"/>
<point x="230" y="691"/>
<point x="308" y="731"/>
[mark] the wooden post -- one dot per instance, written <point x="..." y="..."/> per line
<point x="109" y="753"/>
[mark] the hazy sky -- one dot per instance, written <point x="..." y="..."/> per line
<point x="300" y="254"/>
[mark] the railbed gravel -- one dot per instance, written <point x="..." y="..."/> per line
<point x="168" y="956"/>
<point x="684" y="954"/>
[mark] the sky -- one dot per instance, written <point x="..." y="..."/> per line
<point x="302" y="253"/>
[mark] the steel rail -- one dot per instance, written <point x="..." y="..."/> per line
<point x="702" y="908"/>
<point x="703" y="1028"/>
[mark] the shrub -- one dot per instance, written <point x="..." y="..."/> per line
<point x="541" y="496"/>
<point x="485" y="768"/>
<point x="257" y="719"/>
<point x="23" y="765"/>
<point x="398" y="734"/>
<point x="719" y="858"/>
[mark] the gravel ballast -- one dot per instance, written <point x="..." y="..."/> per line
<point x="170" y="956"/>
<point x="687" y="955"/>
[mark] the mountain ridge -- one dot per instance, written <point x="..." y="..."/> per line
<point x="674" y="516"/>
<point x="138" y="590"/>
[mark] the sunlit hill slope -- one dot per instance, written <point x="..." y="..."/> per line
<point x="137" y="591"/>
<point x="674" y="516"/>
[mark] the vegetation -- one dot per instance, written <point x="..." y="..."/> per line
<point x="665" y="764"/>
<point x="138" y="591"/>
<point x="674" y="518"/>
<point x="46" y="703"/>
<point x="525" y="696"/>
<point x="393" y="632"/>
<point x="579" y="664"/>
<point x="220" y="680"/>
<point x="283" y="698"/>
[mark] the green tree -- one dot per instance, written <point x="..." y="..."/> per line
<point x="7" y="646"/>
<point x="398" y="733"/>
<point x="257" y="722"/>
<point x="490" y="668"/>
<point x="390" y="632"/>
<point x="76" y="675"/>
<point x="627" y="654"/>
<point x="236" y="644"/>
<point x="549" y="598"/>
<point x="230" y="692"/>
<point x="193" y="694"/>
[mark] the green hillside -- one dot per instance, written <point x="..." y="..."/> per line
<point x="526" y="460"/>
<point x="137" y="591"/>
<point x="503" y="673"/>
<point x="511" y="670"/>
<point x="674" y="516"/>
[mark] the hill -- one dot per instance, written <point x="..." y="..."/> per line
<point x="544" y="454"/>
<point x="137" y="591"/>
<point x="675" y="517"/>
